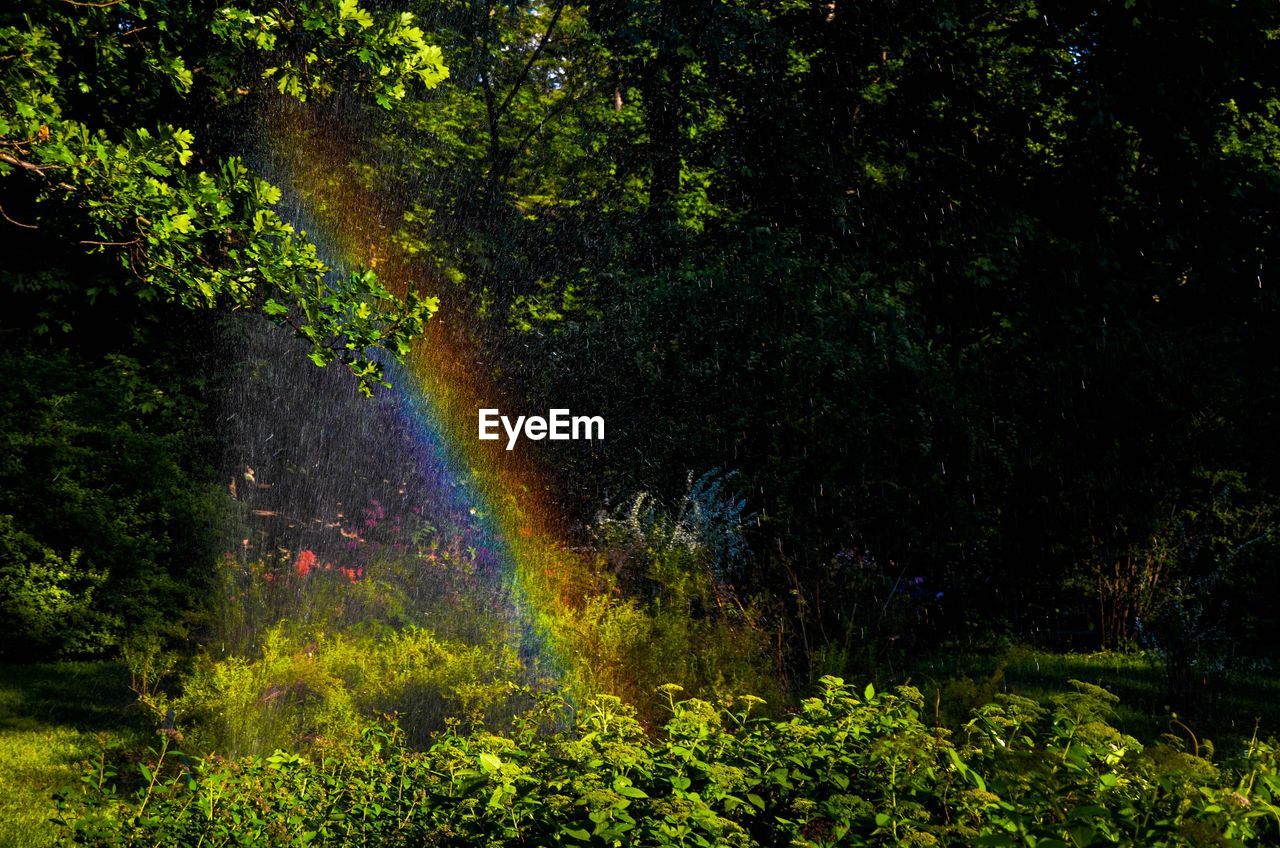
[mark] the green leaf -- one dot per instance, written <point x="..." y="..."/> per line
<point x="349" y="10"/>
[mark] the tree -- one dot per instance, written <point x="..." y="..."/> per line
<point x="89" y="156"/>
<point x="979" y="286"/>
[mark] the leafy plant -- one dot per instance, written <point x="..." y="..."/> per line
<point x="849" y="768"/>
<point x="187" y="226"/>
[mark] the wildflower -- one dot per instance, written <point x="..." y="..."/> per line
<point x="304" y="563"/>
<point x="1238" y="800"/>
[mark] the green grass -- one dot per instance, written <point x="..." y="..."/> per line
<point x="55" y="718"/>
<point x="1230" y="711"/>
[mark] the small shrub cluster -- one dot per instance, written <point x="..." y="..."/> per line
<point x="661" y="607"/>
<point x="305" y="688"/>
<point x="849" y="768"/>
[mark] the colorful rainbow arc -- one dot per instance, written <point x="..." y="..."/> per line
<point x="439" y="387"/>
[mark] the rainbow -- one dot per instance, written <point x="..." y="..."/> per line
<point x="439" y="386"/>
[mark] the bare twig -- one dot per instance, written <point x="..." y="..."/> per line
<point x="25" y="165"/>
<point x="17" y="223"/>
<point x="33" y="168"/>
<point x="107" y="243"/>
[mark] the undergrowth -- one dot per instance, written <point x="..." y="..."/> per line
<point x="848" y="768"/>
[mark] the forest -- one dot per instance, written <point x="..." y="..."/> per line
<point x="935" y="496"/>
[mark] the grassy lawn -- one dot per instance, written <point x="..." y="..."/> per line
<point x="54" y="718"/>
<point x="1231" y="709"/>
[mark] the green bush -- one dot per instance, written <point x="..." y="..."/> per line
<point x="848" y="768"/>
<point x="662" y="607"/>
<point x="47" y="602"/>
<point x="106" y="528"/>
<point x="305" y="688"/>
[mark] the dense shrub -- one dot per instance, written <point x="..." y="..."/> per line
<point x="307" y="646"/>
<point x="662" y="606"/>
<point x="305" y="688"/>
<point x="106" y="526"/>
<point x="847" y="769"/>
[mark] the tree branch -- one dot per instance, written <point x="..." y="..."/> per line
<point x="33" y="168"/>
<point x="25" y="165"/>
<point x="17" y="223"/>
<point x="533" y="57"/>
